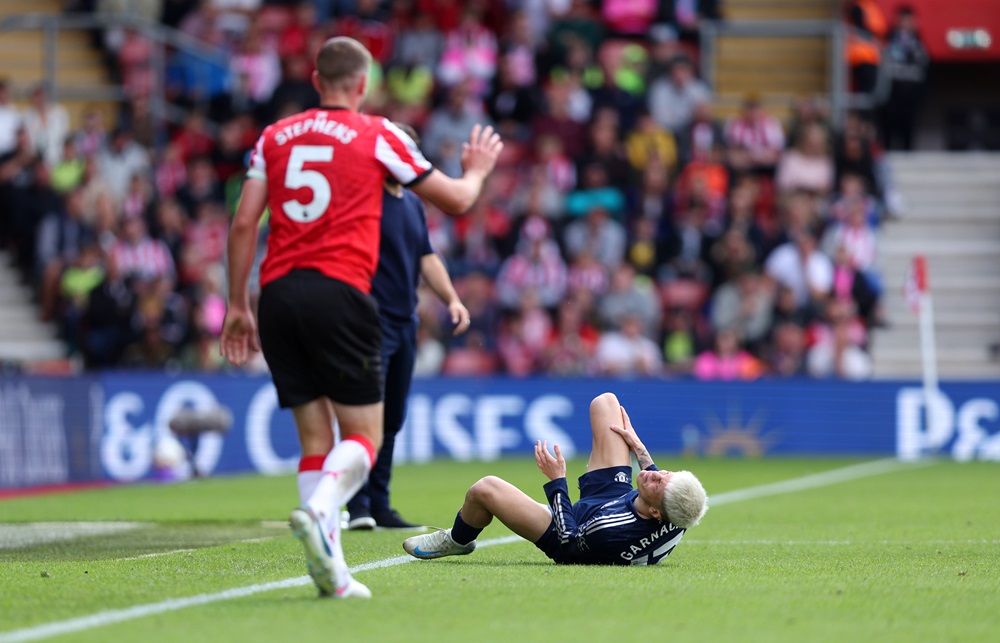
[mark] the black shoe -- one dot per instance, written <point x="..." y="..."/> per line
<point x="361" y="521"/>
<point x="392" y="520"/>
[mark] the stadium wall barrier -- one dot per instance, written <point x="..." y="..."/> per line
<point x="105" y="427"/>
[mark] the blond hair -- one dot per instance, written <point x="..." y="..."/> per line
<point x="684" y="500"/>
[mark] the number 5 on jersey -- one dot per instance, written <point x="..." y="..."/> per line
<point x="296" y="176"/>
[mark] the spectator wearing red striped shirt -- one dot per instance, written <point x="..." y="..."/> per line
<point x="139" y="256"/>
<point x="535" y="266"/>
<point x="755" y="138"/>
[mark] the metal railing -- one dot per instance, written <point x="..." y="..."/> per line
<point x="838" y="95"/>
<point x="162" y="38"/>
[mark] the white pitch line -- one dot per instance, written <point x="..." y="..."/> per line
<point x="853" y="472"/>
<point x="156" y="554"/>
<point x="16" y="535"/>
<point x="110" y="617"/>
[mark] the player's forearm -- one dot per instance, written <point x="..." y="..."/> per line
<point x="241" y="246"/>
<point x="242" y="243"/>
<point x="453" y="196"/>
<point x="465" y="191"/>
<point x="436" y="275"/>
<point x="642" y="457"/>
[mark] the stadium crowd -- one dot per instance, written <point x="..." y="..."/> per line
<point x="627" y="231"/>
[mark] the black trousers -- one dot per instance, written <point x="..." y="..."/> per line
<point x="399" y="351"/>
<point x="898" y="116"/>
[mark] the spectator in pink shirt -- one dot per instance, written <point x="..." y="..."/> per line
<point x="470" y="54"/>
<point x="727" y="361"/>
<point x="808" y="167"/>
<point x="629" y="17"/>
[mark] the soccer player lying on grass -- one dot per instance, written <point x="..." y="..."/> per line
<point x="612" y="524"/>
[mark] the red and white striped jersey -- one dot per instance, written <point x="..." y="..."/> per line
<point x="324" y="170"/>
<point x="762" y="133"/>
<point x="146" y="259"/>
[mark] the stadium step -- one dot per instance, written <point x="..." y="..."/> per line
<point x="779" y="9"/>
<point x="952" y="218"/>
<point x="22" y="336"/>
<point x="78" y="65"/>
<point x="776" y="68"/>
<point x="16" y="7"/>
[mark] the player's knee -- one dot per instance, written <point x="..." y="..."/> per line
<point x="484" y="489"/>
<point x="604" y="405"/>
<point x="604" y="402"/>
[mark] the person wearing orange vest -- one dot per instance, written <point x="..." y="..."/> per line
<point x="864" y="44"/>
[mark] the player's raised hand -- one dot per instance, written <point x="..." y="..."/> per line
<point x="553" y="467"/>
<point x="239" y="336"/>
<point x="481" y="152"/>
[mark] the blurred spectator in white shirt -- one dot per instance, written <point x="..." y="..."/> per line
<point x="119" y="161"/>
<point x="627" y="352"/>
<point x="48" y="126"/>
<point x="672" y="99"/>
<point x="802" y="268"/>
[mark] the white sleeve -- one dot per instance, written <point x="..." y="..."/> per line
<point x="257" y="169"/>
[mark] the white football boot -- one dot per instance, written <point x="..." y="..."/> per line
<point x="319" y="561"/>
<point x="436" y="545"/>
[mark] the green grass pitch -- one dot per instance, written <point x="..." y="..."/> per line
<point x="909" y="554"/>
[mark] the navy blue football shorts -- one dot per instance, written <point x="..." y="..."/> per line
<point x="596" y="488"/>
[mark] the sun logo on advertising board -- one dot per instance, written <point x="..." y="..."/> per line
<point x="729" y="436"/>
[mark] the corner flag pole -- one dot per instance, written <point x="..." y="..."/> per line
<point x="928" y="344"/>
<point x="917" y="292"/>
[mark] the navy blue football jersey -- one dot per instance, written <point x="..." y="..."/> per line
<point x="605" y="529"/>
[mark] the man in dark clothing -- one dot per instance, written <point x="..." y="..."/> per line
<point x="107" y="322"/>
<point x="905" y="61"/>
<point x="405" y="254"/>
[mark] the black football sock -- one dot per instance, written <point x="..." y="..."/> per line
<point x="462" y="533"/>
